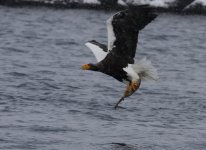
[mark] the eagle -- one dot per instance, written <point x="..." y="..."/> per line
<point x="117" y="58"/>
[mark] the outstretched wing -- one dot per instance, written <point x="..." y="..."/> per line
<point x="123" y="29"/>
<point x="99" y="50"/>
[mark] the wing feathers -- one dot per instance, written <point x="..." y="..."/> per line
<point x="110" y="33"/>
<point x="99" y="50"/>
<point x="123" y="29"/>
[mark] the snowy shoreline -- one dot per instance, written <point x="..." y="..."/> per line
<point x="190" y="6"/>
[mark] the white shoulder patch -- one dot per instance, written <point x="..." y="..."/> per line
<point x="97" y="51"/>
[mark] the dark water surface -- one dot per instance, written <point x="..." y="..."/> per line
<point x="48" y="103"/>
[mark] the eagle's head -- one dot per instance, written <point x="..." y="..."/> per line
<point x="92" y="67"/>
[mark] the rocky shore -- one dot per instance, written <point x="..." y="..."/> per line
<point x="176" y="6"/>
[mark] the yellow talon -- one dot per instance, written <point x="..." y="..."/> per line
<point x="131" y="88"/>
<point x="133" y="85"/>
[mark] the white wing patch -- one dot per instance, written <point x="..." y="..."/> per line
<point x="97" y="51"/>
<point x="131" y="72"/>
<point x="110" y="32"/>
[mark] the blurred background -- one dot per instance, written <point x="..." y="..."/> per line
<point x="185" y="6"/>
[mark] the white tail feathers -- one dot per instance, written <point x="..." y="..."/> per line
<point x="145" y="70"/>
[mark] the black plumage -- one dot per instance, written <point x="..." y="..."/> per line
<point x="126" y="26"/>
<point x="116" y="59"/>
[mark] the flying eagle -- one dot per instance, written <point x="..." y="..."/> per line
<point x="117" y="59"/>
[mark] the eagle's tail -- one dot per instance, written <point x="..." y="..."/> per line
<point x="145" y="70"/>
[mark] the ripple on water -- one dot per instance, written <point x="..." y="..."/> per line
<point x="52" y="129"/>
<point x="13" y="49"/>
<point x="47" y="102"/>
<point x="17" y="74"/>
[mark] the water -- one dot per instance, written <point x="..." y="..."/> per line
<point x="48" y="103"/>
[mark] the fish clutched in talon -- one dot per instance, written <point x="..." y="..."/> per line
<point x="117" y="58"/>
<point x="131" y="88"/>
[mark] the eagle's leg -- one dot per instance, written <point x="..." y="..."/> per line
<point x="131" y="88"/>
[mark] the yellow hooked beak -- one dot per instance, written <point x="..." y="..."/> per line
<point x="85" y="67"/>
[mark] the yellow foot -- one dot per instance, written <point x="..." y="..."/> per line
<point x="131" y="88"/>
<point x="134" y="85"/>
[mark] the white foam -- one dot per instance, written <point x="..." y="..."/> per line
<point x="121" y="2"/>
<point x="91" y="2"/>
<point x="203" y="2"/>
<point x="156" y="3"/>
<point x="161" y="3"/>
